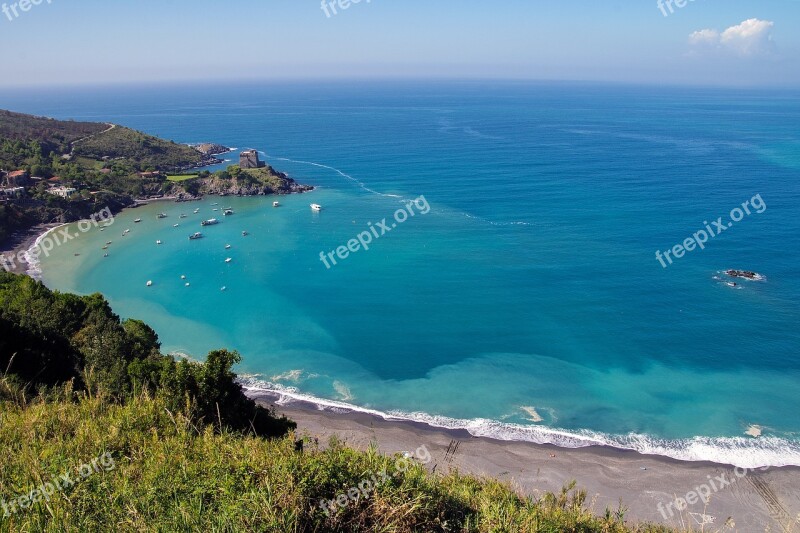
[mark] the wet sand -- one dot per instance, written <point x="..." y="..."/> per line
<point x="648" y="486"/>
<point x="13" y="249"/>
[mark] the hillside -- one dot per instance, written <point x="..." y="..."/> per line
<point x="58" y="134"/>
<point x="147" y="151"/>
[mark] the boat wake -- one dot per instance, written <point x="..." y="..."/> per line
<point x="361" y="185"/>
<point x="743" y="452"/>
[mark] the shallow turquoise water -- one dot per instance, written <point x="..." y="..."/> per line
<point x="528" y="303"/>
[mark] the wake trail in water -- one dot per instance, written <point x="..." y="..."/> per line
<point x="363" y="186"/>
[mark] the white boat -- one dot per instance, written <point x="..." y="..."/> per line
<point x="227" y="212"/>
<point x="245" y="234"/>
<point x="215" y="203"/>
<point x="228" y="260"/>
<point x="209" y="222"/>
<point x="276" y="204"/>
<point x="196" y="210"/>
<point x="223" y="289"/>
<point x="175" y="225"/>
<point x="137" y="220"/>
<point x="158" y="242"/>
<point x="186" y="284"/>
<point x="183" y="216"/>
<point x="149" y="283"/>
<point x="196" y="236"/>
<point x="227" y="246"/>
<point x="316" y="207"/>
<point x="162" y="215"/>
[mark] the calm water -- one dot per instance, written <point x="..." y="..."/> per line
<point x="528" y="302"/>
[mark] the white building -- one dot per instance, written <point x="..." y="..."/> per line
<point x="13" y="192"/>
<point x="63" y="192"/>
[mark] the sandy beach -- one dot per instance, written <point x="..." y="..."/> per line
<point x="648" y="486"/>
<point x="13" y="249"/>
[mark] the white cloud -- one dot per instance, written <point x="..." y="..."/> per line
<point x="704" y="37"/>
<point x="751" y="37"/>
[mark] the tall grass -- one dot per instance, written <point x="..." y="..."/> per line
<point x="170" y="475"/>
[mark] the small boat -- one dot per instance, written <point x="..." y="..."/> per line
<point x="316" y="207"/>
<point x="105" y="255"/>
<point x="175" y="225"/>
<point x="276" y="204"/>
<point x="108" y="243"/>
<point x="183" y="277"/>
<point x="158" y="242"/>
<point x="228" y="260"/>
<point x="137" y="220"/>
<point x="149" y="283"/>
<point x="196" y="236"/>
<point x="102" y="229"/>
<point x="215" y="209"/>
<point x="196" y="210"/>
<point x="126" y="231"/>
<point x="245" y="234"/>
<point x="77" y="255"/>
<point x="183" y="216"/>
<point x="186" y="284"/>
<point x="209" y="222"/>
<point x="227" y="246"/>
<point x="227" y="212"/>
<point x="215" y="203"/>
<point x="105" y="247"/>
<point x="162" y="215"/>
<point x="223" y="289"/>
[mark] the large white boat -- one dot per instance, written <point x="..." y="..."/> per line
<point x="276" y="204"/>
<point x="209" y="222"/>
<point x="316" y="207"/>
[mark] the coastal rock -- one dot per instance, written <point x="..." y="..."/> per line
<point x="210" y="149"/>
<point x="746" y="274"/>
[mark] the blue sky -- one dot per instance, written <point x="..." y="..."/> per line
<point x="102" y="41"/>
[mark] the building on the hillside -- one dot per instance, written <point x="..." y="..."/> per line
<point x="249" y="159"/>
<point x="63" y="192"/>
<point x="12" y="192"/>
<point x="16" y="178"/>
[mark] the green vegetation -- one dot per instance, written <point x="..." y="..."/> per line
<point x="145" y="150"/>
<point x="177" y="178"/>
<point x="48" y="338"/>
<point x="187" y="451"/>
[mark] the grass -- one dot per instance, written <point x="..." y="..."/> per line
<point x="170" y="475"/>
<point x="181" y="177"/>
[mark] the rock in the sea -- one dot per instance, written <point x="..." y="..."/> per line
<point x="746" y="274"/>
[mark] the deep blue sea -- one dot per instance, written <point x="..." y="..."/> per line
<point x="523" y="300"/>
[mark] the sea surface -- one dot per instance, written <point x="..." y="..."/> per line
<point x="523" y="300"/>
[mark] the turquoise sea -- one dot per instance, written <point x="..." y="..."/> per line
<point x="528" y="302"/>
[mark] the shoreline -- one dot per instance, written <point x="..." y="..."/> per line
<point x="18" y="246"/>
<point x="646" y="484"/>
